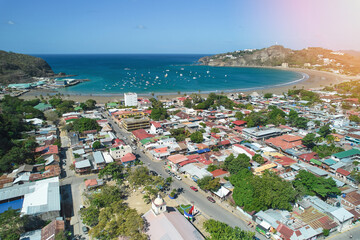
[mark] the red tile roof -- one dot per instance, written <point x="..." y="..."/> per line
<point x="161" y="150"/>
<point x="49" y="149"/>
<point x="49" y="231"/>
<point x="309" y="156"/>
<point x="177" y="158"/>
<point x="224" y="143"/>
<point x="343" y="172"/>
<point x="128" y="158"/>
<point x="285" y="161"/>
<point x="156" y="124"/>
<point x="239" y="122"/>
<point x="187" y="162"/>
<point x="91" y="182"/>
<point x="286" y="232"/>
<point x="218" y="172"/>
<point x="141" y="134"/>
<point x="285" y="141"/>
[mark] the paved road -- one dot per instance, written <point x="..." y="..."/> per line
<point x="72" y="189"/>
<point x="353" y="234"/>
<point x="210" y="209"/>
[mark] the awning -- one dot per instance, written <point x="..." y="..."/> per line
<point x="317" y="162"/>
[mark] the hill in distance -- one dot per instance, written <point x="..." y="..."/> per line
<point x="313" y="57"/>
<point x="20" y="68"/>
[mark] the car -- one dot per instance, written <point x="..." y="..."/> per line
<point x="154" y="173"/>
<point x="85" y="229"/>
<point x="210" y="199"/>
<point x="178" y="177"/>
<point x="194" y="188"/>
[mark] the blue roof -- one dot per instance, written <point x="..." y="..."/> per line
<point x="249" y="145"/>
<point x="16" y="204"/>
<point x="329" y="161"/>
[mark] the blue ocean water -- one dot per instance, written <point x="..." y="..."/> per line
<point x="159" y="73"/>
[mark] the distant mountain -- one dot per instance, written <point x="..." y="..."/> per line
<point x="19" y="68"/>
<point x="312" y="57"/>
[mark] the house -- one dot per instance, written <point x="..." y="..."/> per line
<point x="342" y="173"/>
<point x="284" y="142"/>
<point x="40" y="198"/>
<point x="220" y="173"/>
<point x="93" y="183"/>
<point x="83" y="166"/>
<point x="128" y="160"/>
<point x="261" y="133"/>
<point x="99" y="160"/>
<point x="352" y="153"/>
<point x="239" y="123"/>
<point x="343" y="218"/>
<point x="49" y="231"/>
<point x="175" y="160"/>
<point x="120" y="151"/>
<point x="155" y="128"/>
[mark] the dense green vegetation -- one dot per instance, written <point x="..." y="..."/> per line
<point x="213" y="101"/>
<point x="258" y="158"/>
<point x="308" y="184"/>
<point x="327" y="150"/>
<point x="179" y="134"/>
<point x="15" y="67"/>
<point x="219" y="230"/>
<point x="12" y="225"/>
<point x="304" y="95"/>
<point x="158" y="112"/>
<point x="197" y="137"/>
<point x="234" y="165"/>
<point x="89" y="104"/>
<point x="209" y="183"/>
<point x="62" y="106"/>
<point x="15" y="147"/>
<point x="83" y="124"/>
<point x="262" y="192"/>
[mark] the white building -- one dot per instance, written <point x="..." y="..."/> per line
<point x="119" y="152"/>
<point x="130" y="99"/>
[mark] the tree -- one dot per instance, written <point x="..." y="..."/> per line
<point x="212" y="167"/>
<point x="268" y="95"/>
<point x="219" y="230"/>
<point x="208" y="183"/>
<point x="354" y="118"/>
<point x="90" y="104"/>
<point x="197" y="137"/>
<point x="215" y="130"/>
<point x="96" y="145"/>
<point x="85" y="124"/>
<point x="52" y="116"/>
<point x="139" y="177"/>
<point x="202" y="124"/>
<point x="309" y="140"/>
<point x="324" y="130"/>
<point x="113" y="169"/>
<point x="326" y="232"/>
<point x="323" y="187"/>
<point x="187" y="103"/>
<point x="158" y="114"/>
<point x="301" y="122"/>
<point x="261" y="192"/>
<point x="258" y="158"/>
<point x="234" y="165"/>
<point x="239" y="115"/>
<point x="60" y="235"/>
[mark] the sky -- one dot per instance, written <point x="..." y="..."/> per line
<point x="176" y="26"/>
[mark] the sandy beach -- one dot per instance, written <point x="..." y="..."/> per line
<point x="317" y="79"/>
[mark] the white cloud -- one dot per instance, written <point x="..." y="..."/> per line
<point x="10" y="22"/>
<point x="142" y="27"/>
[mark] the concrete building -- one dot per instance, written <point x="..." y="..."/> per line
<point x="131" y="124"/>
<point x="130" y="99"/>
<point x="40" y="198"/>
<point x="119" y="152"/>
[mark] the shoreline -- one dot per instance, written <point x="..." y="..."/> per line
<point x="311" y="79"/>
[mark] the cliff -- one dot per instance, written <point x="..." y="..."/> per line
<point x="19" y="68"/>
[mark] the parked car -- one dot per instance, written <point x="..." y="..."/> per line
<point x="154" y="173"/>
<point x="194" y="188"/>
<point x="178" y="177"/>
<point x="210" y="199"/>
